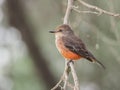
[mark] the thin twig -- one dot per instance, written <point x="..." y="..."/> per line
<point x="58" y="84"/>
<point x="63" y="78"/>
<point x="76" y="87"/>
<point x="85" y="12"/>
<point x="66" y="75"/>
<point x="70" y="85"/>
<point x="100" y="11"/>
<point x="113" y="23"/>
<point x="68" y="10"/>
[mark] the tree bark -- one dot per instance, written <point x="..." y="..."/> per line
<point x="16" y="18"/>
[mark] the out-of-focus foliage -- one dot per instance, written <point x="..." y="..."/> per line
<point x="101" y="34"/>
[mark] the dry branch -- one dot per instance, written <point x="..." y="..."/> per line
<point x="99" y="10"/>
<point x="85" y="12"/>
<point x="68" y="10"/>
<point x="76" y="87"/>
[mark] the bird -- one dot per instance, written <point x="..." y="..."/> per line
<point x="71" y="46"/>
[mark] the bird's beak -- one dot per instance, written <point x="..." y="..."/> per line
<point x="52" y="31"/>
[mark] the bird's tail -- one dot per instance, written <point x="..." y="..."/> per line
<point x="93" y="59"/>
<point x="100" y="64"/>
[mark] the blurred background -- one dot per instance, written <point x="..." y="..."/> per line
<point x="29" y="59"/>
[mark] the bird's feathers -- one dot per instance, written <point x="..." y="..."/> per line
<point x="77" y="46"/>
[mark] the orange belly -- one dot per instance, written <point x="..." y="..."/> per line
<point x="65" y="52"/>
<point x="70" y="55"/>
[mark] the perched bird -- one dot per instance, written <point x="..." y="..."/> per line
<point x="70" y="46"/>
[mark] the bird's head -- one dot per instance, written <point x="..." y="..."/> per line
<point x="62" y="30"/>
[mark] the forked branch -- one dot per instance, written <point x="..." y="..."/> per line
<point x="97" y="11"/>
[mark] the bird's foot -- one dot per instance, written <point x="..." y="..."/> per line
<point x="70" y="61"/>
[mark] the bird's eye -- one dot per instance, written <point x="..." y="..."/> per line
<point x="60" y="30"/>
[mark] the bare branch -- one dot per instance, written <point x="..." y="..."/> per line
<point x="68" y="10"/>
<point x="66" y="75"/>
<point x="58" y="84"/>
<point x="85" y="12"/>
<point x="64" y="78"/>
<point x="70" y="85"/>
<point x="100" y="11"/>
<point x="76" y="87"/>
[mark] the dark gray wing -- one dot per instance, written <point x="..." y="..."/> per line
<point x="76" y="45"/>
